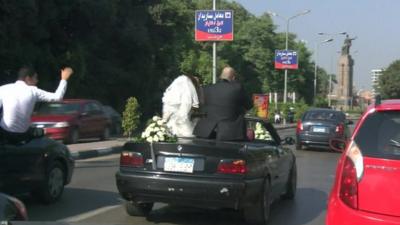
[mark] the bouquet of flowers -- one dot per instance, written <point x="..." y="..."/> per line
<point x="261" y="133"/>
<point x="157" y="131"/>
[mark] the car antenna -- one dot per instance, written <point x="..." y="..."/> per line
<point x="377" y="99"/>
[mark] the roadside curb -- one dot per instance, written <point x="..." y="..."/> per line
<point x="96" y="152"/>
<point x="285" y="127"/>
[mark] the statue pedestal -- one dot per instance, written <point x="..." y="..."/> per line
<point x="344" y="90"/>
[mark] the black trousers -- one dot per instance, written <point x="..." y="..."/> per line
<point x="20" y="138"/>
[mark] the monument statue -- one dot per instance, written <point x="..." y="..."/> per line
<point x="347" y="44"/>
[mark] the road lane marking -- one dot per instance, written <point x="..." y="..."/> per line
<point x="89" y="214"/>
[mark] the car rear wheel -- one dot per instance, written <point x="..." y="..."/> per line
<point x="138" y="209"/>
<point x="291" y="184"/>
<point x="53" y="187"/>
<point x="259" y="213"/>
<point x="106" y="133"/>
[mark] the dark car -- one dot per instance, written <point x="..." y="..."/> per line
<point x="11" y="208"/>
<point x="317" y="126"/>
<point x="242" y="175"/>
<point x="115" y="118"/>
<point x="72" y="119"/>
<point x="42" y="166"/>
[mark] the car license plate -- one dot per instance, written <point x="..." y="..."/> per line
<point x="317" y="129"/>
<point x="179" y="164"/>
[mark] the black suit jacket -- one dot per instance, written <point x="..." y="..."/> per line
<point x="225" y="105"/>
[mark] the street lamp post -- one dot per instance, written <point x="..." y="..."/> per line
<point x="286" y="42"/>
<point x="316" y="64"/>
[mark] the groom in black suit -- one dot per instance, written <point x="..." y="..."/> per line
<point x="225" y="105"/>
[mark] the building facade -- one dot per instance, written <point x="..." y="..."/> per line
<point x="375" y="74"/>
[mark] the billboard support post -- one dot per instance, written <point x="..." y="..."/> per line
<point x="214" y="52"/>
<point x="213" y="26"/>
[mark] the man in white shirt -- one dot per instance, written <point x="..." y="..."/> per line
<point x="18" y="100"/>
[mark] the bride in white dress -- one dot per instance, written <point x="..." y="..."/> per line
<point x="178" y="100"/>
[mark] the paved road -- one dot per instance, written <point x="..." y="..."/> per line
<point x="92" y="197"/>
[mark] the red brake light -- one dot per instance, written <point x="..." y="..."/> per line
<point x="352" y="172"/>
<point x="22" y="213"/>
<point x="132" y="159"/>
<point x="299" y="126"/>
<point x="349" y="184"/>
<point x="232" y="166"/>
<point x="340" y="129"/>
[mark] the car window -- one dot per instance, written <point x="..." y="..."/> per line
<point x="323" y="115"/>
<point x="57" y="108"/>
<point x="379" y="135"/>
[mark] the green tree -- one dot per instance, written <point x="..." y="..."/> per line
<point x="389" y="81"/>
<point x="131" y="117"/>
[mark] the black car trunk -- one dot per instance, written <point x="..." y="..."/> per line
<point x="189" y="156"/>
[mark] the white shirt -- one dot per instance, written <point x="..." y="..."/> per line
<point x="18" y="100"/>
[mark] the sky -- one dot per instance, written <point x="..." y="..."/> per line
<point x="375" y="23"/>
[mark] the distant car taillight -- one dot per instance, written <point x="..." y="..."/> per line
<point x="340" y="129"/>
<point x="352" y="172"/>
<point x="232" y="166"/>
<point x="299" y="126"/>
<point x="131" y="159"/>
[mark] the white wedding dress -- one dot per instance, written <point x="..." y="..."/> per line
<point x="178" y="100"/>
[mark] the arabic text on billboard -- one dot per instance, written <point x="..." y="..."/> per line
<point x="286" y="59"/>
<point x="214" y="25"/>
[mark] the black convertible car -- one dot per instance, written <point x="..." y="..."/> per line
<point x="246" y="175"/>
<point x="41" y="166"/>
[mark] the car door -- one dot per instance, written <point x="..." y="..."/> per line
<point x="99" y="118"/>
<point x="87" y="122"/>
<point x="18" y="163"/>
<point x="275" y="155"/>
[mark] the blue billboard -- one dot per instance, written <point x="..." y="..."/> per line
<point x="214" y="25"/>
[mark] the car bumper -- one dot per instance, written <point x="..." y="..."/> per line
<point x="57" y="133"/>
<point x="319" y="140"/>
<point x="202" y="192"/>
<point x="339" y="213"/>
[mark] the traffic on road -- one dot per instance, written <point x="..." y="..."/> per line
<point x="94" y="182"/>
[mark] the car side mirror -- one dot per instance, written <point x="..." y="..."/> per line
<point x="288" y="141"/>
<point x="337" y="144"/>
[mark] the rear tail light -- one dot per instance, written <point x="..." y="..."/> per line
<point x="352" y="172"/>
<point x="340" y="129"/>
<point x="131" y="159"/>
<point x="232" y="167"/>
<point x="299" y="126"/>
<point x="22" y="213"/>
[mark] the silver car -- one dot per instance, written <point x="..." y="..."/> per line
<point x="317" y="126"/>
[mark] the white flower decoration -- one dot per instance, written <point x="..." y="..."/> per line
<point x="160" y="122"/>
<point x="155" y="139"/>
<point x="149" y="139"/>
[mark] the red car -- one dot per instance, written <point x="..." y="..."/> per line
<point x="367" y="183"/>
<point x="72" y="119"/>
